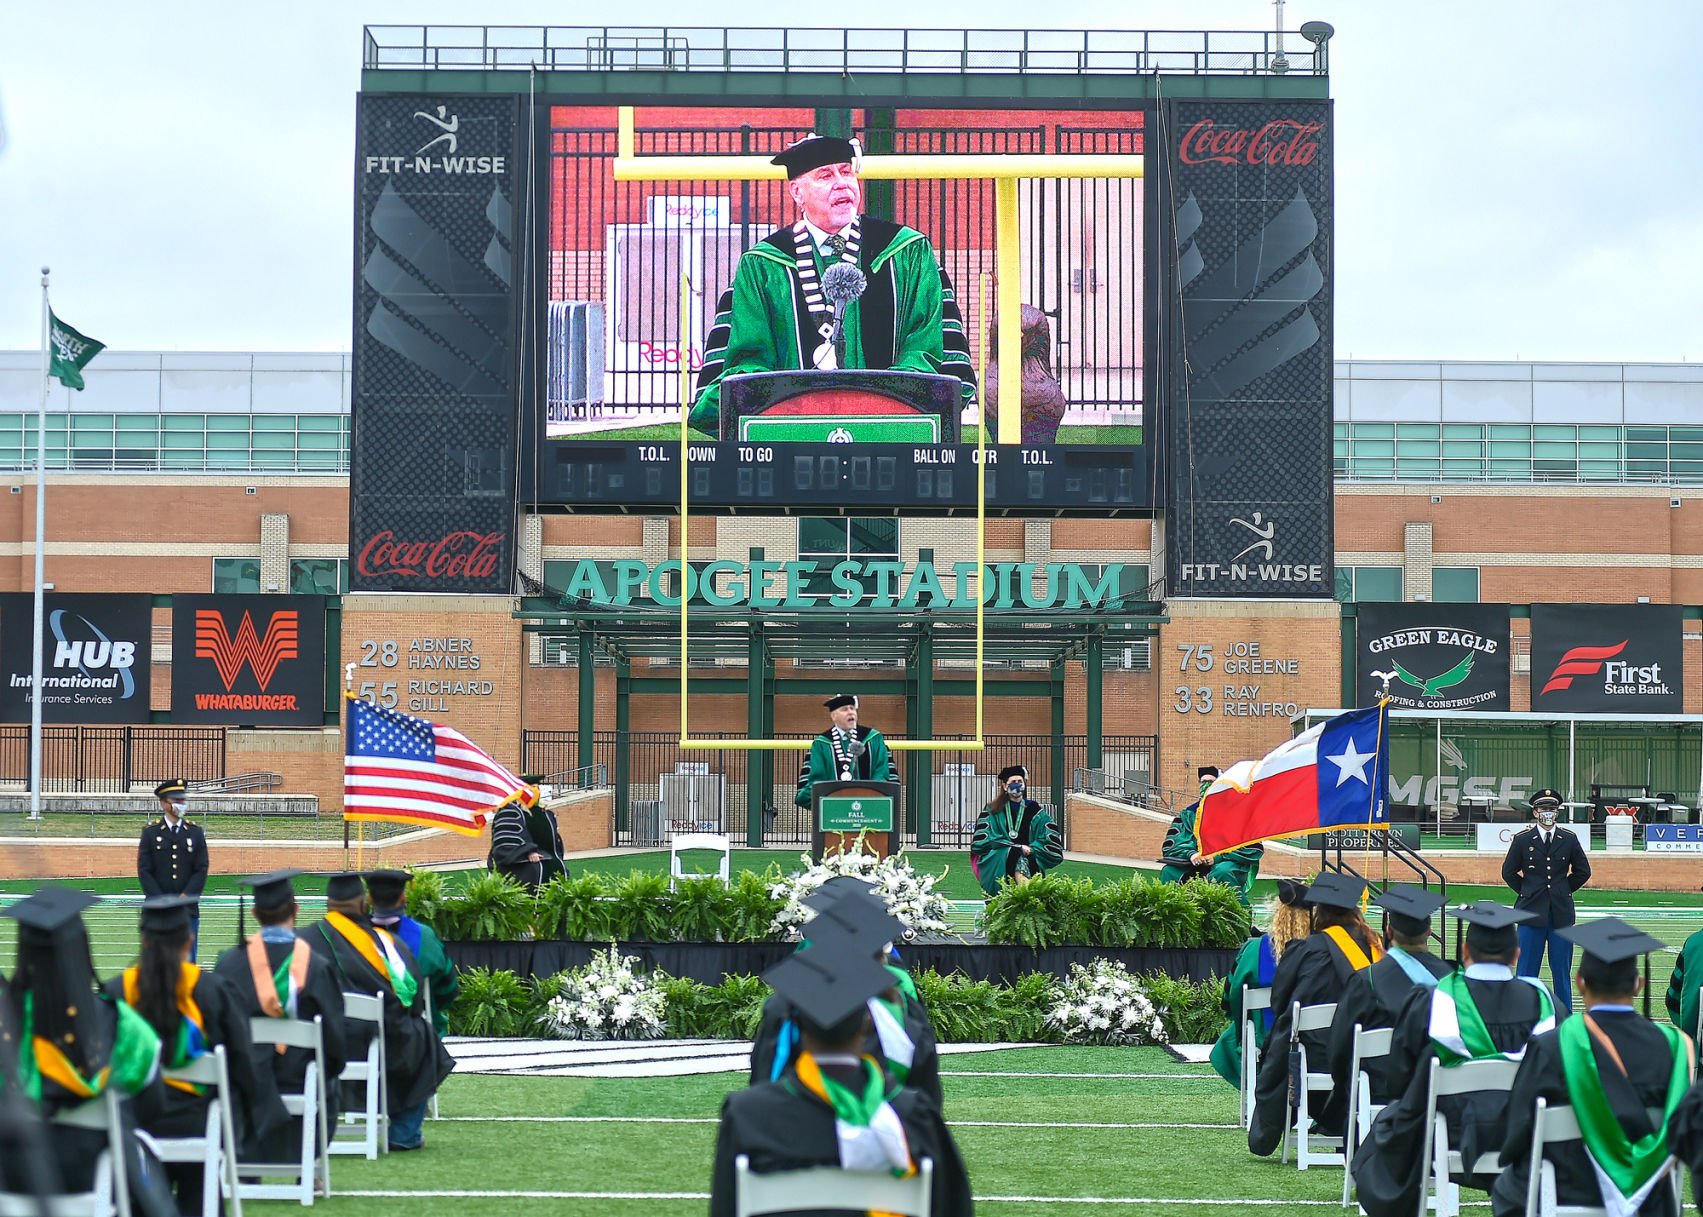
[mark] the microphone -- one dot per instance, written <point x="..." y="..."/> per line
<point x="841" y="284"/>
<point x="854" y="748"/>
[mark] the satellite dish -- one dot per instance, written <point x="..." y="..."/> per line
<point x="1317" y="32"/>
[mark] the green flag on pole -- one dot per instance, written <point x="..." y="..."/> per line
<point x="69" y="352"/>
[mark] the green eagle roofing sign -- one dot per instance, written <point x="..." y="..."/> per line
<point x="1434" y="656"/>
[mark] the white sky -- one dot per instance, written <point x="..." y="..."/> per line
<point x="1515" y="178"/>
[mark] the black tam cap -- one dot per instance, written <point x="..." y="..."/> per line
<point x="170" y="788"/>
<point x="814" y="151"/>
<point x="47" y="911"/>
<point x="1013" y="771"/>
<point x="1337" y="891"/>
<point x="1610" y="940"/>
<point x="864" y="919"/>
<point x="1206" y="771"/>
<point x="167" y="915"/>
<point x="1408" y="907"/>
<point x="1292" y="892"/>
<point x="532" y="779"/>
<point x="834" y="889"/>
<point x="829" y="983"/>
<point x="386" y="886"/>
<point x="839" y="700"/>
<point x="1490" y="926"/>
<point x="274" y="889"/>
<point x="344" y="887"/>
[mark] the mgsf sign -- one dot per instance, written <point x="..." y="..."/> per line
<point x="1608" y="658"/>
<point x="96" y="658"/>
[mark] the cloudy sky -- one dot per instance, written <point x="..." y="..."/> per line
<point x="1515" y="178"/>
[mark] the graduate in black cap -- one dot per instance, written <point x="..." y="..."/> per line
<point x="275" y="974"/>
<point x="526" y="842"/>
<point x="192" y="1012"/>
<point x="845" y="751"/>
<point x="388" y="892"/>
<point x="777" y="316"/>
<point x="171" y="857"/>
<point x="1014" y="839"/>
<point x="849" y="916"/>
<point x="1289" y="920"/>
<point x="370" y="960"/>
<point x="837" y="1107"/>
<point x="1376" y="996"/>
<point x="1315" y="971"/>
<point x="1181" y="859"/>
<point x="73" y="1043"/>
<point x="1625" y="1078"/>
<point x="1544" y="866"/>
<point x="1481" y="1012"/>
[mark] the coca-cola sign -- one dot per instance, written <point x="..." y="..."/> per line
<point x="1283" y="141"/>
<point x="456" y="555"/>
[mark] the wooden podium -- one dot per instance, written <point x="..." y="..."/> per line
<point x="841" y="811"/>
<point x="857" y="406"/>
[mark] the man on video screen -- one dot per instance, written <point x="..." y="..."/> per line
<point x="779" y="315"/>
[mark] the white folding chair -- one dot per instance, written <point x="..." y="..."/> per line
<point x="372" y="1120"/>
<point x="216" y="1147"/>
<point x="1368" y="1045"/>
<point x="1438" y="1159"/>
<point x="426" y="1009"/>
<point x="1254" y="1003"/>
<point x="1311" y="1149"/>
<point x="109" y="1193"/>
<point x="855" y="1191"/>
<point x="682" y="842"/>
<point x="1557" y="1126"/>
<point x="311" y="1171"/>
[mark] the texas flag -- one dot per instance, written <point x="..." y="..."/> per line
<point x="1335" y="775"/>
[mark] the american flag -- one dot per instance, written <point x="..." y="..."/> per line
<point x="412" y="771"/>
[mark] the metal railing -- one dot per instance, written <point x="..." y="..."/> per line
<point x="112" y="760"/>
<point x="239" y="783"/>
<point x="837" y="51"/>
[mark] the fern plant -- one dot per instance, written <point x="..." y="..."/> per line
<point x="427" y="893"/>
<point x="490" y="908"/>
<point x="1021" y="915"/>
<point x="752" y="904"/>
<point x="1167" y="914"/>
<point x="1224" y="921"/>
<point x="577" y="910"/>
<point x="640" y="908"/>
<point x="698" y="911"/>
<point x="490" y="1004"/>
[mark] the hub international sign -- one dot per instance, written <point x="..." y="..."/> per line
<point x="1608" y="658"/>
<point x="248" y="660"/>
<point x="95" y="658"/>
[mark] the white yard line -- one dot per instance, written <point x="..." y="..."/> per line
<point x="471" y="1194"/>
<point x="714" y="1120"/>
<point x="1033" y="1073"/>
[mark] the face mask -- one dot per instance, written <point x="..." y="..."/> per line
<point x="178" y="808"/>
<point x="1015" y="790"/>
<point x="1546" y="818"/>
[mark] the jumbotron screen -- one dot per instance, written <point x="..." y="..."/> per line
<point x="837" y="333"/>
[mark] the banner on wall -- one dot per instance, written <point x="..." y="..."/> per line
<point x="248" y="660"/>
<point x="97" y="656"/>
<point x="1436" y="656"/>
<point x="1608" y="658"/>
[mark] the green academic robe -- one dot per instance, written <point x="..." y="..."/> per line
<point x="905" y="319"/>
<point x="1254" y="968"/>
<point x="1683" y="985"/>
<point x="994" y="844"/>
<point x="1236" y="869"/>
<point x="820" y="763"/>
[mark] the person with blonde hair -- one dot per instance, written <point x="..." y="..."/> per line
<point x="1289" y="920"/>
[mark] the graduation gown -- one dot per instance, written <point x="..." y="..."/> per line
<point x="1235" y="869"/>
<point x="319" y="995"/>
<point x="1386" y="1166"/>
<point x="436" y="971"/>
<point x="994" y="855"/>
<point x="777" y="1037"/>
<point x="821" y="763"/>
<point x="416" y="1061"/>
<point x="1314" y="971"/>
<point x="1649" y="1067"/>
<point x="1684" y="983"/>
<point x="907" y="317"/>
<point x="1254" y="968"/>
<point x="1374" y="999"/>
<point x="781" y="1126"/>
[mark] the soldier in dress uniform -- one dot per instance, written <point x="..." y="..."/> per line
<point x="171" y="858"/>
<point x="1545" y="865"/>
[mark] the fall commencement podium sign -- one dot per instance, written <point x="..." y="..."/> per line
<point x="851" y="406"/>
<point x="844" y="810"/>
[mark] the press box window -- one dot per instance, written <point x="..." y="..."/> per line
<point x="236" y="576"/>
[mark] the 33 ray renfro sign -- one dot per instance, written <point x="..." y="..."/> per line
<point x="248" y="660"/>
<point x="1608" y="658"/>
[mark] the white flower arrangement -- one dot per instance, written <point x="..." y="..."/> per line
<point x="1104" y="1004"/>
<point x="606" y="1000"/>
<point x="909" y="896"/>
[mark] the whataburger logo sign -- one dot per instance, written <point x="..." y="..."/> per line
<point x="214" y="641"/>
<point x="248" y="660"/>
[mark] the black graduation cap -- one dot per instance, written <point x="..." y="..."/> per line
<point x="837" y="888"/>
<point x="386" y="886"/>
<point x="1409" y="907"/>
<point x="1206" y="771"/>
<point x="1292" y="892"/>
<point x="167" y="915"/>
<point x="346" y="886"/>
<point x="532" y="779"/>
<point x="829" y="982"/>
<point x="1333" y="890"/>
<point x="48" y="910"/>
<point x="1610" y="939"/>
<point x="1012" y="771"/>
<point x="1547" y="797"/>
<point x="272" y="889"/>
<point x="839" y="699"/>
<point x="868" y="921"/>
<point x="814" y="151"/>
<point x="171" y="787"/>
<point x="1490" y="926"/>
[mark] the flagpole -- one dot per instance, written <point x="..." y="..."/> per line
<point x="40" y="557"/>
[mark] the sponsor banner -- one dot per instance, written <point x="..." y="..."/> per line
<point x="97" y="655"/>
<point x="1673" y="838"/>
<point x="249" y="661"/>
<point x="1495" y="838"/>
<point x="1434" y="656"/>
<point x="1248" y="208"/>
<point x="1608" y="658"/>
<point x="435" y="391"/>
<point x="1360" y="838"/>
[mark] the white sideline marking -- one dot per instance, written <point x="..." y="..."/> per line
<point x="552" y="1058"/>
<point x="1031" y="1073"/>
<point x="714" y="1120"/>
<point x="1192" y="1054"/>
<point x="470" y="1194"/>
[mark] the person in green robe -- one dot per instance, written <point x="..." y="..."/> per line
<point x="1182" y="860"/>
<point x="1256" y="963"/>
<point x="845" y="751"/>
<point x="1683" y="985"/>
<point x="1014" y="840"/>
<point x="388" y="891"/>
<point x="776" y="316"/>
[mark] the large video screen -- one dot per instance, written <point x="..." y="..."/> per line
<point x="808" y="383"/>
